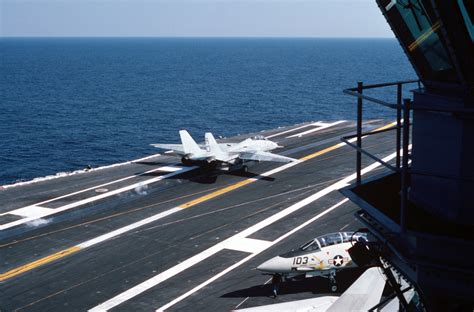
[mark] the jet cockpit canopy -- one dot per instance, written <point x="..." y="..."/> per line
<point x="332" y="239"/>
<point x="259" y="137"/>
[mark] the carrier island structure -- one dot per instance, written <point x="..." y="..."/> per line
<point x="423" y="211"/>
<point x="153" y="235"/>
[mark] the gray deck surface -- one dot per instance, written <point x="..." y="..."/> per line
<point x="91" y="276"/>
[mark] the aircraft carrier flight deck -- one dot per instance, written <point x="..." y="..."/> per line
<point x="153" y="234"/>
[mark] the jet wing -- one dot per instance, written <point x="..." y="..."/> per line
<point x="363" y="294"/>
<point x="265" y="156"/>
<point x="176" y="148"/>
<point x="319" y="304"/>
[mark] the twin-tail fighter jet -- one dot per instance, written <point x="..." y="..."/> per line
<point x="321" y="256"/>
<point x="232" y="156"/>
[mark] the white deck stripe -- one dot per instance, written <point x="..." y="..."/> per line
<point x="158" y="279"/>
<point x="165" y="168"/>
<point x="316" y="124"/>
<point x="73" y="205"/>
<point x="170" y="168"/>
<point x="321" y="127"/>
<point x="217" y="276"/>
<point x="61" y="175"/>
<point x="127" y="228"/>
<point x="95" y="198"/>
<point x="92" y="188"/>
<point x="66" y="174"/>
<point x="244" y="244"/>
<point x="32" y="211"/>
<point x="316" y="144"/>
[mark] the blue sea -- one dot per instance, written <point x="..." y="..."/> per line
<point x="66" y="103"/>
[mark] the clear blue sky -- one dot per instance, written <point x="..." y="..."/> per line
<point x="191" y="18"/>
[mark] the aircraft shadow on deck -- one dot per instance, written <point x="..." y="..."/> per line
<point x="202" y="175"/>
<point x="315" y="285"/>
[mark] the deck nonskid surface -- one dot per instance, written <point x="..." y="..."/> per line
<point x="204" y="235"/>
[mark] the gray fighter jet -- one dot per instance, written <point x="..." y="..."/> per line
<point x="322" y="256"/>
<point x="232" y="156"/>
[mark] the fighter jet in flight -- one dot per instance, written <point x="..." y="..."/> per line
<point x="321" y="256"/>
<point x="232" y="156"/>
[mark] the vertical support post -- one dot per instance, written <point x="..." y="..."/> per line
<point x="359" y="132"/>
<point x="399" y="123"/>
<point x="404" y="182"/>
<point x="395" y="286"/>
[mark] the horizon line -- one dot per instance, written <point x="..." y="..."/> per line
<point x="201" y="37"/>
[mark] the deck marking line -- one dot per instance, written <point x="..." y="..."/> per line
<point x="119" y="231"/>
<point x="32" y="211"/>
<point x="122" y="230"/>
<point x="247" y="298"/>
<point x="316" y="144"/>
<point x="95" y="187"/>
<point x="245" y="244"/>
<point x="324" y="151"/>
<point x="86" y="244"/>
<point x="265" y="174"/>
<point x="127" y="228"/>
<point x="95" y="198"/>
<point x="184" y="265"/>
<point x="39" y="262"/>
<point x="165" y="168"/>
<point x="217" y="193"/>
<point x="195" y="289"/>
<point x="294" y="129"/>
<point x="215" y="277"/>
<point x="321" y="127"/>
<point x="80" y="171"/>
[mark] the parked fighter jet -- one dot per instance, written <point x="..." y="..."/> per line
<point x="230" y="155"/>
<point x="321" y="256"/>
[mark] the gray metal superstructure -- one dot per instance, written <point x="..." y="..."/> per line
<point x="422" y="212"/>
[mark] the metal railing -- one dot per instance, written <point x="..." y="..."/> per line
<point x="403" y="108"/>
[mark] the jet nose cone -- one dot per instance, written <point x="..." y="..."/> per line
<point x="274" y="265"/>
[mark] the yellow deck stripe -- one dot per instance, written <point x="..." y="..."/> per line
<point x="248" y="181"/>
<point x="71" y="250"/>
<point x="321" y="152"/>
<point x="39" y="262"/>
<point x="385" y="127"/>
<point x="216" y="193"/>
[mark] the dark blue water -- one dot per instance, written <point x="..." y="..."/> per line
<point x="67" y="103"/>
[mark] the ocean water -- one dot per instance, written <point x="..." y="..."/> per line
<point x="66" y="103"/>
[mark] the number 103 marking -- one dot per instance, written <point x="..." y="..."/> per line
<point x="300" y="260"/>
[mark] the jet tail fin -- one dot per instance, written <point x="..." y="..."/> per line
<point x="211" y="143"/>
<point x="189" y="145"/>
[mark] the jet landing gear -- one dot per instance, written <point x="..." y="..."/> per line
<point x="332" y="281"/>
<point x="239" y="166"/>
